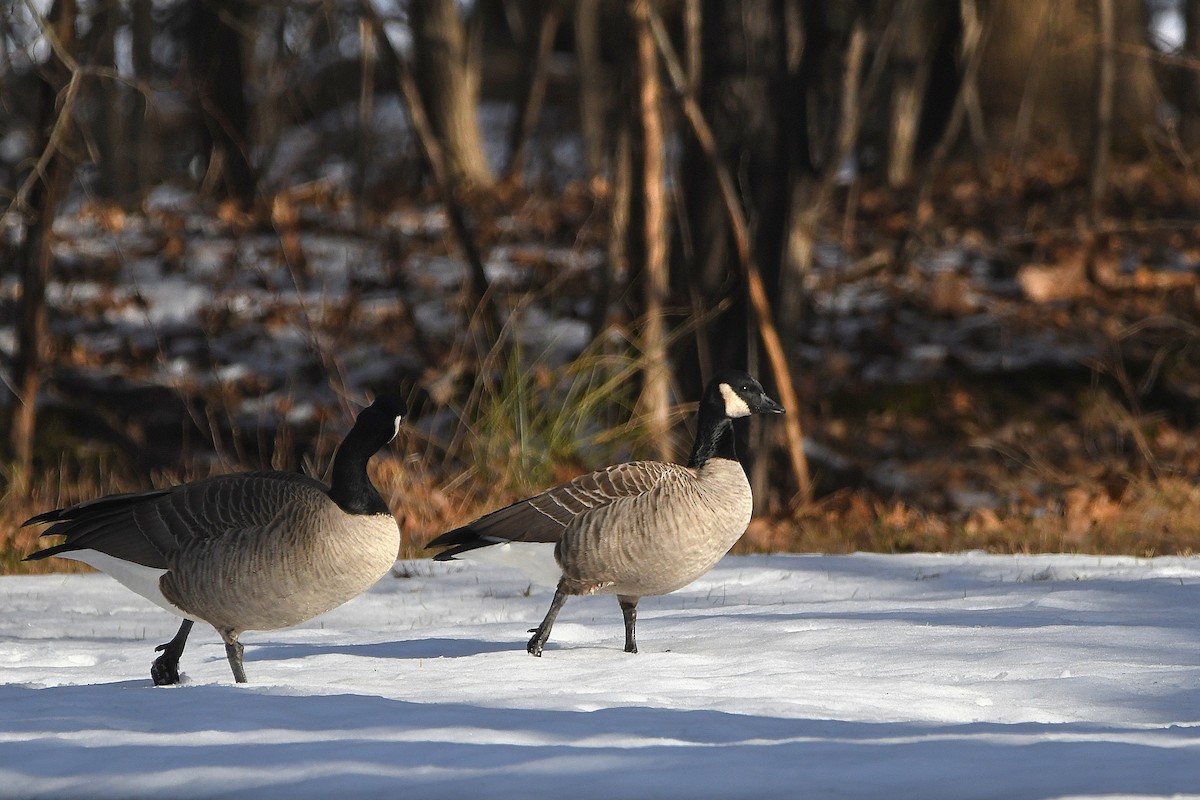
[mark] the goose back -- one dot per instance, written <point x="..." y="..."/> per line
<point x="661" y="539"/>
<point x="544" y="517"/>
<point x="232" y="546"/>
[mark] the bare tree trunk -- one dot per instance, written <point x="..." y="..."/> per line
<point x="1101" y="133"/>
<point x="140" y="154"/>
<point x="214" y="37"/>
<point x="366" y="113"/>
<point x="107" y="135"/>
<point x="34" y="256"/>
<point x="1105" y="81"/>
<point x="1188" y="98"/>
<point x="591" y="86"/>
<point x="910" y="68"/>
<point x="693" y="21"/>
<point x="656" y="390"/>
<point x="974" y="29"/>
<point x="537" y="73"/>
<point x="449" y="89"/>
<point x="616" y="261"/>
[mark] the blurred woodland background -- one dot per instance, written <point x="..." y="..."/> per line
<point x="958" y="239"/>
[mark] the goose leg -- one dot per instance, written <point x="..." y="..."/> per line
<point x="165" y="669"/>
<point x="542" y="632"/>
<point x="233" y="651"/>
<point x="629" y="612"/>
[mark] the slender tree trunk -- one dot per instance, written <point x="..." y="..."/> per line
<point x="910" y="68"/>
<point x="107" y="134"/>
<point x="1188" y="98"/>
<point x="1105" y="81"/>
<point x="656" y="390"/>
<point x="592" y="102"/>
<point x="34" y="256"/>
<point x="537" y="72"/>
<point x="140" y="160"/>
<point x="448" y="88"/>
<point x="693" y="29"/>
<point x="616" y="251"/>
<point x="214" y="37"/>
<point x="366" y="113"/>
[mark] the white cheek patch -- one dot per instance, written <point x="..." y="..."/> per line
<point x="735" y="406"/>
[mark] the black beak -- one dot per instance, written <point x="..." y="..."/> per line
<point x="765" y="405"/>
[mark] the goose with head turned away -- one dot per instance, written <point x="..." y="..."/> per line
<point x="249" y="551"/>
<point x="632" y="530"/>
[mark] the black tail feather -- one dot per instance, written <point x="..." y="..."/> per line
<point x="459" y="536"/>
<point x="459" y="540"/>
<point x="100" y="505"/>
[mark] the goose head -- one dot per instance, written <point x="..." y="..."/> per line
<point x="380" y="421"/>
<point x="377" y="424"/>
<point x="728" y="396"/>
<point x="739" y="394"/>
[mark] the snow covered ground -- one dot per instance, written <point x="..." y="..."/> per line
<point x="916" y="676"/>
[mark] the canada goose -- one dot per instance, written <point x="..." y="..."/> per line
<point x="250" y="551"/>
<point x="635" y="529"/>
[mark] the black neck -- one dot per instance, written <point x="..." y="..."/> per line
<point x="352" y="489"/>
<point x="714" y="438"/>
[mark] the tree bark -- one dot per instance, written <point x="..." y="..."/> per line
<point x="1105" y="83"/>
<point x="537" y="60"/>
<point x="107" y="134"/>
<point x="34" y="256"/>
<point x="214" y="36"/>
<point x="449" y="90"/>
<point x="910" y="69"/>
<point x="140" y="156"/>
<point x="592" y="100"/>
<point x="1188" y="97"/>
<point x="656" y="388"/>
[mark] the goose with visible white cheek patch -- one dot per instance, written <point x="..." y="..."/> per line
<point x="251" y="551"/>
<point x="632" y="530"/>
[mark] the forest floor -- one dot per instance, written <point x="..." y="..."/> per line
<point x="1017" y="381"/>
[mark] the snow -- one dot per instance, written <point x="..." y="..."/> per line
<point x="914" y="676"/>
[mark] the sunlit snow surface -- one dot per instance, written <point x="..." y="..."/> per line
<point x="919" y="676"/>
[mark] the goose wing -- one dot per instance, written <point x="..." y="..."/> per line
<point x="544" y="517"/>
<point x="147" y="528"/>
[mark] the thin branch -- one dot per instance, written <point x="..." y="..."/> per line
<point x="57" y="46"/>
